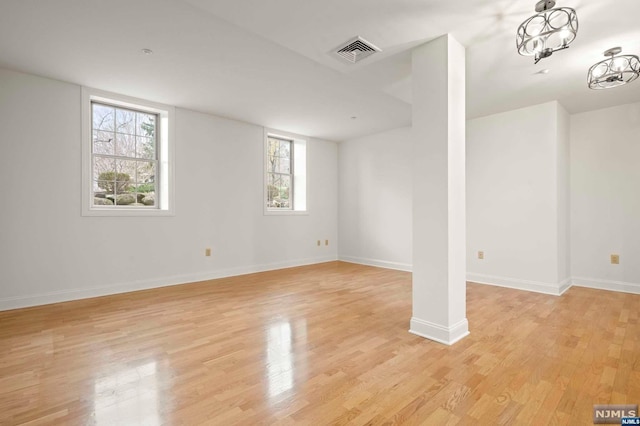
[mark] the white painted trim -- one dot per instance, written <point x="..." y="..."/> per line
<point x="535" y="286"/>
<point x="295" y="140"/>
<point x="620" y="286"/>
<point x="166" y="153"/>
<point x="440" y="333"/>
<point x="268" y="212"/>
<point x="76" y="294"/>
<point x="564" y="285"/>
<point x="517" y="284"/>
<point x="374" y="262"/>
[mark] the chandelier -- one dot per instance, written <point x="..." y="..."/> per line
<point x="548" y="31"/>
<point x="615" y="71"/>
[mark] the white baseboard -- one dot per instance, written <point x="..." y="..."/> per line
<point x="439" y="333"/>
<point x="564" y="285"/>
<point x="430" y="331"/>
<point x="85" y="293"/>
<point x="535" y="286"/>
<point x="518" y="284"/>
<point x="619" y="286"/>
<point x="374" y="262"/>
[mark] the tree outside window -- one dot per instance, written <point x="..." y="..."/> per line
<point x="124" y="157"/>
<point x="279" y="173"/>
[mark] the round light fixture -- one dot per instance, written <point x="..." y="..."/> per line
<point x="548" y="31"/>
<point x="615" y="71"/>
<point x="147" y="51"/>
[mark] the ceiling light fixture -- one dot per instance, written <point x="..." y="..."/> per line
<point x="147" y="51"/>
<point x="548" y="31"/>
<point x="615" y="71"/>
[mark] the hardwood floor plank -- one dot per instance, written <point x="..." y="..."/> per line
<point x="321" y="344"/>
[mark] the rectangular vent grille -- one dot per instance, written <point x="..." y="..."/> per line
<point x="356" y="50"/>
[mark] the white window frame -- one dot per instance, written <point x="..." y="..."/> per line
<point x="290" y="174"/>
<point x="164" y="147"/>
<point x="299" y="173"/>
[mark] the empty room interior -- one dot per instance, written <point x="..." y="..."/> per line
<point x="340" y="212"/>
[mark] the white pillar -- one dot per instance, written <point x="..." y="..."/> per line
<point x="439" y="235"/>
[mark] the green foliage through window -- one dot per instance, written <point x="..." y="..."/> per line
<point x="124" y="156"/>
<point x="113" y="182"/>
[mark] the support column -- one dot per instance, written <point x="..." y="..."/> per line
<point x="439" y="233"/>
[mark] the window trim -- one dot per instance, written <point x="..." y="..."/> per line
<point x="295" y="139"/>
<point x="156" y="142"/>
<point x="164" y="146"/>
<point x="291" y="173"/>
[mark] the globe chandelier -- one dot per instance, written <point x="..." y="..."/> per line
<point x="550" y="30"/>
<point x="614" y="71"/>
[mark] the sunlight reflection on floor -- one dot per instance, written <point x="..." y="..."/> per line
<point x="129" y="396"/>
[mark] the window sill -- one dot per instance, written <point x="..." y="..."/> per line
<point x="127" y="212"/>
<point x="286" y="212"/>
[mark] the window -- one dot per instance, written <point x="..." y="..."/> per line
<point x="126" y="156"/>
<point x="279" y="173"/>
<point x="285" y="173"/>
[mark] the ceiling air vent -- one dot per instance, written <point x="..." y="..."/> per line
<point x="356" y="50"/>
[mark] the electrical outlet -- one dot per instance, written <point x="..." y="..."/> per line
<point x="615" y="259"/>
<point x="326" y="242"/>
<point x="481" y="255"/>
<point x="318" y="243"/>
<point x="207" y="252"/>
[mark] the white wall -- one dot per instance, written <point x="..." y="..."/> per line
<point x="605" y="197"/>
<point x="563" y="198"/>
<point x="517" y="177"/>
<point x="375" y="199"/>
<point x="49" y="252"/>
<point x="549" y="198"/>
<point x="513" y="189"/>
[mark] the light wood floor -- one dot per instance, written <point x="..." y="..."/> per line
<point x="325" y="344"/>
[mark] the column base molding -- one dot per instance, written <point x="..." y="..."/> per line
<point x="440" y="333"/>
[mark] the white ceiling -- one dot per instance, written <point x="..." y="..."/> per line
<point x="269" y="62"/>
